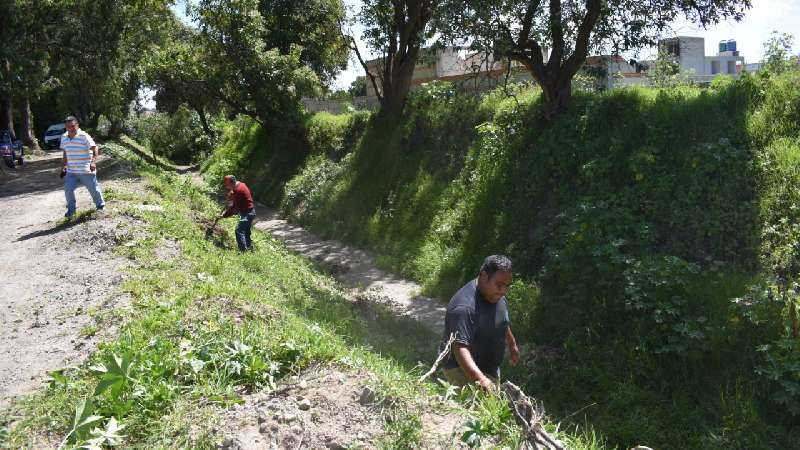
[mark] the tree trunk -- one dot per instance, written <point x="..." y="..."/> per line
<point x="6" y="116"/>
<point x="28" y="137"/>
<point x="115" y="128"/>
<point x="396" y="92"/>
<point x="557" y="96"/>
<point x="203" y="121"/>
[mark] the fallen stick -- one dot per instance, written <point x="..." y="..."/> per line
<point x="529" y="415"/>
<point x="439" y="358"/>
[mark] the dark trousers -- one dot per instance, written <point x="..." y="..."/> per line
<point x="243" y="230"/>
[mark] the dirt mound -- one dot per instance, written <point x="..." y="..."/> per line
<point x="327" y="408"/>
<point x="322" y="408"/>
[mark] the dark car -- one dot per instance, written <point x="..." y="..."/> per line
<point x="10" y="150"/>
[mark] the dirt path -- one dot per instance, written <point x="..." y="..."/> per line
<point x="356" y="268"/>
<point x="56" y="278"/>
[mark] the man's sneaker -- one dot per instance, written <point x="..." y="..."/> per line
<point x="68" y="215"/>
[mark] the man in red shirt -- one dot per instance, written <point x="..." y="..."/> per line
<point x="240" y="200"/>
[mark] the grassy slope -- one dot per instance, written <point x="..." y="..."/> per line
<point x="196" y="344"/>
<point x="634" y="203"/>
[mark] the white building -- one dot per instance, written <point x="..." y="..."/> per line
<point x="690" y="53"/>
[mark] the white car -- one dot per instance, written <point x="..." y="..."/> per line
<point x="52" y="137"/>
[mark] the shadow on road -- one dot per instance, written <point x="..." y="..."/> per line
<point x="61" y="226"/>
<point x="39" y="176"/>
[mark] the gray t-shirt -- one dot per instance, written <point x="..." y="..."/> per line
<point x="479" y="324"/>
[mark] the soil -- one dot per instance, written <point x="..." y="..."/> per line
<point x="325" y="408"/>
<point x="58" y="277"/>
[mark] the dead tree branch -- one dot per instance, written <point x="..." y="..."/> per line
<point x="529" y="415"/>
<point x="439" y="358"/>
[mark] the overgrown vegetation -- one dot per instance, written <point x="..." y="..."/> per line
<point x="177" y="137"/>
<point x="656" y="251"/>
<point x="212" y="325"/>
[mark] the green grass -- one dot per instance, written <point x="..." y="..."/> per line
<point x="211" y="325"/>
<point x="647" y="243"/>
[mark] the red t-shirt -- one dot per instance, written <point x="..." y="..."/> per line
<point x="239" y="200"/>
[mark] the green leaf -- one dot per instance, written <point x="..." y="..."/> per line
<point x="82" y="420"/>
<point x="57" y="377"/>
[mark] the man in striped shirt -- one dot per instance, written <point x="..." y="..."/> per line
<point x="80" y="165"/>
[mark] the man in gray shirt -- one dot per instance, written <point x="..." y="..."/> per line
<point x="478" y="317"/>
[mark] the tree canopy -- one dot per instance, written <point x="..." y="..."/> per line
<point x="552" y="38"/>
<point x="260" y="58"/>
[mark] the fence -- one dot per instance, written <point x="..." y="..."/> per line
<point x="340" y="106"/>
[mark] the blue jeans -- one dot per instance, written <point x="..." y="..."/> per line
<point x="243" y="230"/>
<point x="72" y="180"/>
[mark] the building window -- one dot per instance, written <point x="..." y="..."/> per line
<point x="731" y="66"/>
<point x="714" y="67"/>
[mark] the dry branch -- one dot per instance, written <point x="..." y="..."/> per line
<point x="439" y="358"/>
<point x="529" y="414"/>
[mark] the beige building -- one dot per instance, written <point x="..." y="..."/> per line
<point x="473" y="71"/>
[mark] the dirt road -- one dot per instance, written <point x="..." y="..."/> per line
<point x="357" y="269"/>
<point x="55" y="277"/>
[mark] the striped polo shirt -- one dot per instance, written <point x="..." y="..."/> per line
<point x="79" y="152"/>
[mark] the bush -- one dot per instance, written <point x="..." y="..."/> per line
<point x="178" y="137"/>
<point x="264" y="161"/>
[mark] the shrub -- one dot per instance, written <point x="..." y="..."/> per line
<point x="178" y="137"/>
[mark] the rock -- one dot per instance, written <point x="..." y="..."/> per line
<point x="303" y="384"/>
<point x="335" y="445"/>
<point x="288" y="418"/>
<point x="151" y="208"/>
<point x="290" y="441"/>
<point x="264" y="428"/>
<point x="304" y="405"/>
<point x="297" y="429"/>
<point x="230" y="443"/>
<point x="367" y="397"/>
<point x="262" y="417"/>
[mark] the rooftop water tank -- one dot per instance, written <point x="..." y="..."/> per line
<point x="732" y="45"/>
<point x="723" y="46"/>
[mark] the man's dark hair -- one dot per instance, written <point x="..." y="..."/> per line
<point x="71" y="119"/>
<point x="495" y="263"/>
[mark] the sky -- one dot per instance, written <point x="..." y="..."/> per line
<point x="750" y="34"/>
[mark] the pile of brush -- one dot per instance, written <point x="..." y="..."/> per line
<point x="214" y="233"/>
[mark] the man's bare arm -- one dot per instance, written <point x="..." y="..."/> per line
<point x="467" y="364"/>
<point x="513" y="350"/>
<point x="95" y="154"/>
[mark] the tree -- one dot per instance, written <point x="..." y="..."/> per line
<point x="261" y="71"/>
<point x="29" y="60"/>
<point x="666" y="71"/>
<point x="99" y="55"/>
<point x="175" y="71"/>
<point x="358" y="88"/>
<point x="778" y="56"/>
<point x="527" y="30"/>
<point x="397" y="30"/>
